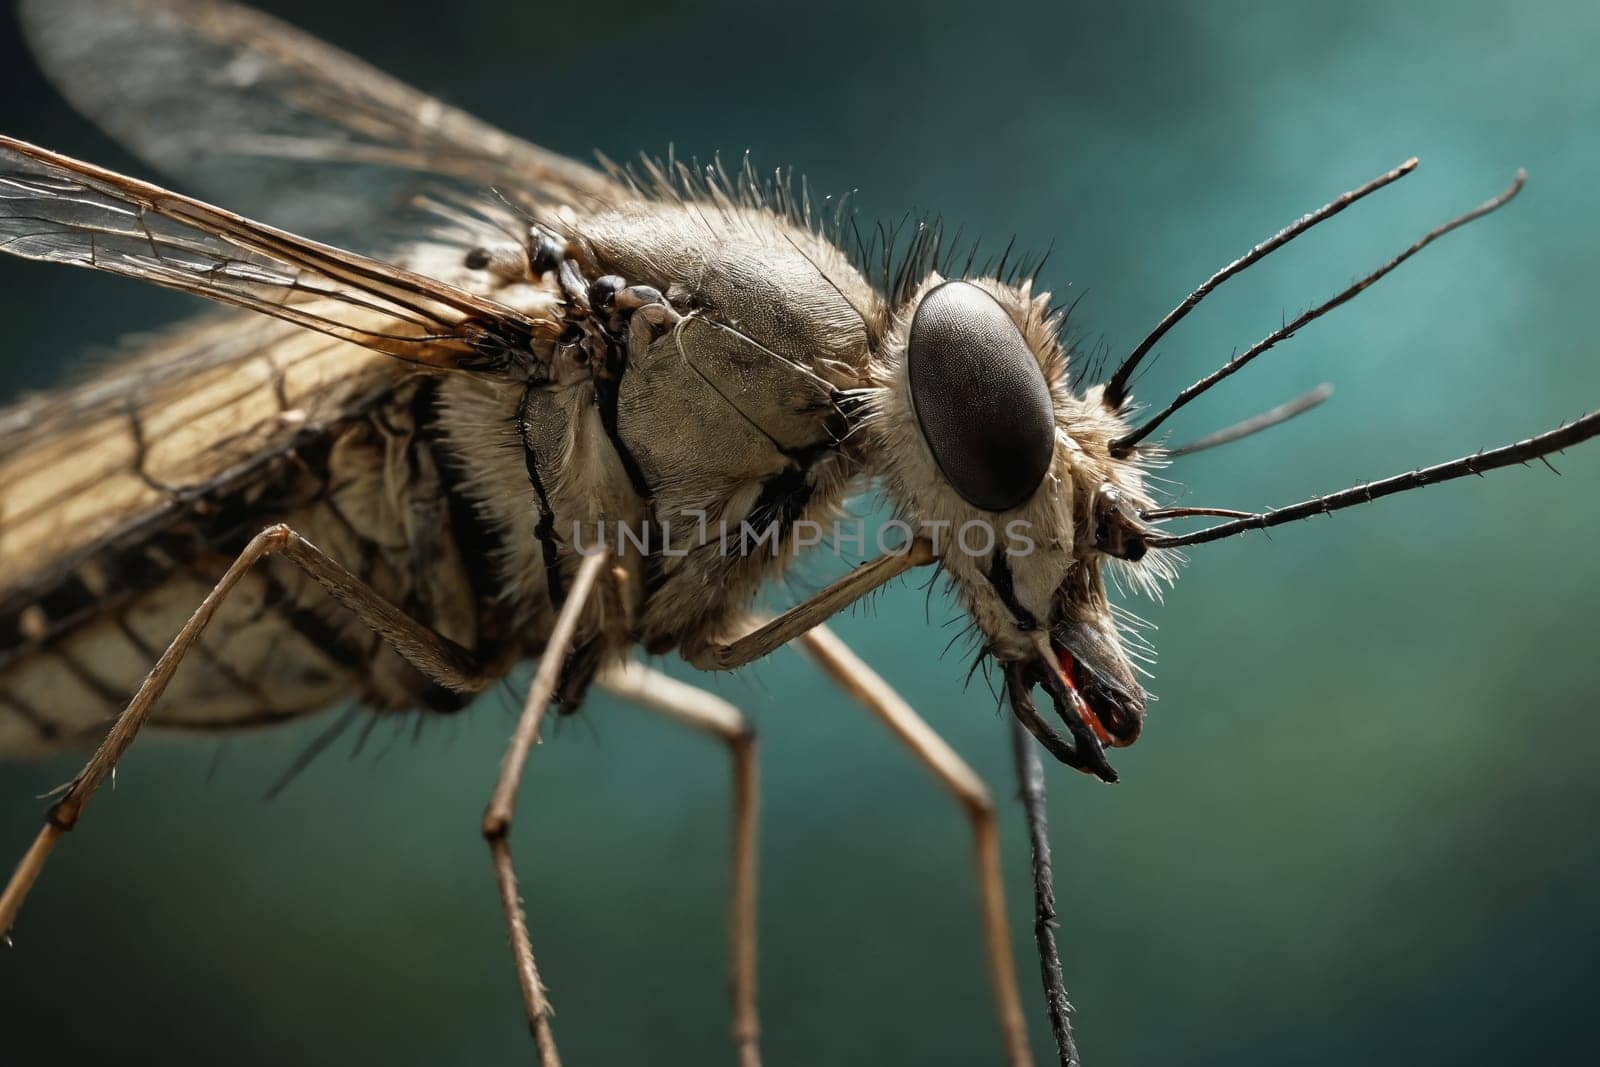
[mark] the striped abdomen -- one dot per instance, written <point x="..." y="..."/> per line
<point x="123" y="501"/>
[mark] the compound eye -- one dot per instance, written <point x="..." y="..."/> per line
<point x="980" y="397"/>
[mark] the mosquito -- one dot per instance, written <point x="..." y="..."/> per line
<point x="378" y="477"/>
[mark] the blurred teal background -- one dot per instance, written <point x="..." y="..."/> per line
<point x="1360" y="825"/>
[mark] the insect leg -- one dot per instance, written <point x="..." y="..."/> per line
<point x="497" y="818"/>
<point x="1030" y="779"/>
<point x="435" y="656"/>
<point x="864" y="684"/>
<point x="809" y="614"/>
<point x="701" y="710"/>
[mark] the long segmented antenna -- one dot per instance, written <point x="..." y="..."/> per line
<point x="1478" y="463"/>
<point x="1266" y="420"/>
<point x="1156" y="514"/>
<point x="1124" y="444"/>
<point x="1116" y="390"/>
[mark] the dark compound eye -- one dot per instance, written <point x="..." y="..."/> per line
<point x="980" y="397"/>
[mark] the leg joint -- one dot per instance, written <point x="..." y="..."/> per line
<point x="979" y="804"/>
<point x="496" y="825"/>
<point x="64" y="813"/>
<point x="277" y="537"/>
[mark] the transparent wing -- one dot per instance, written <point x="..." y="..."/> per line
<point x="61" y="210"/>
<point x="297" y="132"/>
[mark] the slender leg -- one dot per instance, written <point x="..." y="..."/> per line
<point x="706" y="711"/>
<point x="497" y="818"/>
<point x="809" y="613"/>
<point x="861" y="682"/>
<point x="438" y="658"/>
<point x="1030" y="780"/>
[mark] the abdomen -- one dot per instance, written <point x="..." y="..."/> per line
<point x="123" y="501"/>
